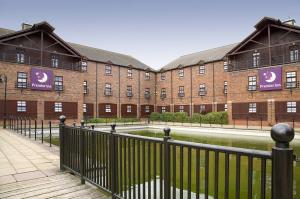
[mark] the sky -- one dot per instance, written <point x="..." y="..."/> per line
<point x="154" y="31"/>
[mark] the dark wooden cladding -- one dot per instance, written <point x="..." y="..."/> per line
<point x="143" y="110"/>
<point x="89" y="110"/>
<point x="186" y="108"/>
<point x="133" y="112"/>
<point x="69" y="109"/>
<point x="159" y="109"/>
<point x="102" y="112"/>
<point x="220" y="107"/>
<point x="208" y="108"/>
<point x="11" y="109"/>
<point x="240" y="111"/>
<point x="282" y="115"/>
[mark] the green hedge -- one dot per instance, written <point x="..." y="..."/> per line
<point x="209" y="118"/>
<point x="111" y="120"/>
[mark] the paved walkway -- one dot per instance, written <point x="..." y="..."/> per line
<point x="29" y="169"/>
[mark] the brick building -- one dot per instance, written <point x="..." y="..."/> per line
<point x="254" y="80"/>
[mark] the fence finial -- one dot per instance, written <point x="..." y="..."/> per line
<point x="167" y="131"/>
<point x="62" y="119"/>
<point x="282" y="134"/>
<point x="82" y="123"/>
<point x="113" y="127"/>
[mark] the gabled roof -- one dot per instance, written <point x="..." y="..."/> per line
<point x="206" y="56"/>
<point x="4" y="31"/>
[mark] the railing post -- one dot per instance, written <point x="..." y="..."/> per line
<point x="29" y="127"/>
<point x="50" y="133"/>
<point x="113" y="161"/>
<point x="25" y="127"/>
<point x="42" y="131"/>
<point x="35" y="129"/>
<point x="62" y="120"/>
<point x="21" y="126"/>
<point x="167" y="185"/>
<point x="282" y="161"/>
<point x="82" y="152"/>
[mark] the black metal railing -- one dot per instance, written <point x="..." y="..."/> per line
<point x="131" y="166"/>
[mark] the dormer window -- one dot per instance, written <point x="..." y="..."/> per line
<point x="163" y="76"/>
<point x="84" y="66"/>
<point x="54" y="61"/>
<point x="129" y="72"/>
<point x="202" y="69"/>
<point x="225" y="65"/>
<point x="20" y="57"/>
<point x="294" y="54"/>
<point x="181" y="72"/>
<point x="147" y="75"/>
<point x="256" y="59"/>
<point x="107" y="69"/>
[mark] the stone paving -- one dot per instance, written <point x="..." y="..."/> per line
<point x="29" y="169"/>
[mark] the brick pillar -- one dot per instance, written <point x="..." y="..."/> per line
<point x="229" y="111"/>
<point x="119" y="115"/>
<point x="172" y="108"/>
<point x="191" y="109"/>
<point x="214" y="106"/>
<point x="271" y="112"/>
<point x="79" y="110"/>
<point x="40" y="110"/>
<point x="95" y="110"/>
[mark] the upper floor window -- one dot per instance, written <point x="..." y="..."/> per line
<point x="225" y="87"/>
<point x="107" y="108"/>
<point x="129" y="91"/>
<point x="129" y="109"/>
<point x="147" y="93"/>
<point x="181" y="72"/>
<point x="252" y="107"/>
<point x="21" y="106"/>
<point x="225" y="66"/>
<point x="202" y="90"/>
<point x="202" y="69"/>
<point x="22" y="80"/>
<point x="294" y="54"/>
<point x="85" y="87"/>
<point x="20" y="57"/>
<point x="84" y="66"/>
<point x="129" y="72"/>
<point x="107" y="90"/>
<point x="54" y="61"/>
<point x="256" y="59"/>
<point x="163" y="109"/>
<point x="181" y="91"/>
<point x="181" y="108"/>
<point x="163" y="93"/>
<point x="147" y="75"/>
<point x="291" y="107"/>
<point x="252" y="83"/>
<point x="291" y="79"/>
<point x="57" y="107"/>
<point x="107" y="69"/>
<point x="162" y="76"/>
<point x="58" y="83"/>
<point x="84" y="108"/>
<point x="147" y="109"/>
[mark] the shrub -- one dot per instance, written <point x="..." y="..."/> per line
<point x="167" y="117"/>
<point x="155" y="116"/>
<point x="181" y="117"/>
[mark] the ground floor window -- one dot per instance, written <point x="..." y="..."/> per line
<point x="181" y="108"/>
<point x="21" y="106"/>
<point x="252" y="107"/>
<point x="128" y="109"/>
<point x="225" y="107"/>
<point x="84" y="108"/>
<point x="147" y="109"/>
<point x="163" y="109"/>
<point x="58" y="107"/>
<point x="291" y="107"/>
<point x="202" y="108"/>
<point x="107" y="108"/>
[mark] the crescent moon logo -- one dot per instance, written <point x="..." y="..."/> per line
<point x="43" y="79"/>
<point x="272" y="78"/>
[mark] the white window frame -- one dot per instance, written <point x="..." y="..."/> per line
<point x="129" y="72"/>
<point x="129" y="108"/>
<point x="54" y="61"/>
<point x="202" y="90"/>
<point x="291" y="107"/>
<point x="252" y="83"/>
<point x="84" y="107"/>
<point x="202" y="108"/>
<point x="22" y="80"/>
<point x="84" y="66"/>
<point x="225" y="66"/>
<point x="225" y="87"/>
<point x="163" y="76"/>
<point x="202" y="69"/>
<point x="225" y="107"/>
<point x="291" y="79"/>
<point x="108" y="69"/>
<point x="163" y="109"/>
<point x="181" y="108"/>
<point x="58" y="107"/>
<point x="252" y="108"/>
<point x="147" y="109"/>
<point x="58" y="83"/>
<point x="20" y="57"/>
<point x="147" y="76"/>
<point x="256" y="59"/>
<point x="107" y="108"/>
<point x="294" y="54"/>
<point x="181" y="72"/>
<point x="21" y="106"/>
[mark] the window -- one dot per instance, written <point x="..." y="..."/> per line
<point x="58" y="83"/>
<point x="252" y="83"/>
<point x="225" y="87"/>
<point x="147" y="109"/>
<point x="85" y="87"/>
<point x="294" y="54"/>
<point x="225" y="107"/>
<point x="181" y="72"/>
<point x="84" y="66"/>
<point x="107" y="91"/>
<point x="147" y="93"/>
<point x="20" y="57"/>
<point x="252" y="107"/>
<point x="57" y="107"/>
<point x="163" y="93"/>
<point x="225" y="65"/>
<point x="181" y="91"/>
<point x="291" y="79"/>
<point x="163" y="76"/>
<point x="202" y="69"/>
<point x="202" y="90"/>
<point x="147" y="75"/>
<point x="129" y="91"/>
<point x="54" y="61"/>
<point x="128" y="108"/>
<point x="129" y="72"/>
<point x="22" y="80"/>
<point x="181" y="108"/>
<point x="107" y="69"/>
<point x="107" y="108"/>
<point x="291" y="107"/>
<point x="202" y="108"/>
<point x="21" y="106"/>
<point x="163" y="109"/>
<point x="84" y="108"/>
<point x="256" y="56"/>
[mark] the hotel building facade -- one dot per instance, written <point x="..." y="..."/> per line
<point x="255" y="80"/>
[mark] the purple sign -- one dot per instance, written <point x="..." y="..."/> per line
<point x="41" y="79"/>
<point x="270" y="79"/>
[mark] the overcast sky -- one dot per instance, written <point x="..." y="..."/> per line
<point x="155" y="31"/>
